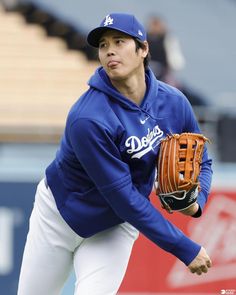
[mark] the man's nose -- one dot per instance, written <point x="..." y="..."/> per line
<point x="110" y="52"/>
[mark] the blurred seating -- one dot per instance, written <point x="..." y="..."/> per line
<point x="39" y="81"/>
<point x="55" y="27"/>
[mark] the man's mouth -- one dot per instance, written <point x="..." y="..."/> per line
<point x="112" y="64"/>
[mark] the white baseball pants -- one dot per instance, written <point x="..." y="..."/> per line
<point x="53" y="248"/>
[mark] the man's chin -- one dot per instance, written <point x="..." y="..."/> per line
<point x="115" y="76"/>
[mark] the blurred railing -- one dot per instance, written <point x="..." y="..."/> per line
<point x="219" y="125"/>
<point x="208" y="118"/>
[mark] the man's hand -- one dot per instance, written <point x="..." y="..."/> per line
<point x="190" y="210"/>
<point x="201" y="263"/>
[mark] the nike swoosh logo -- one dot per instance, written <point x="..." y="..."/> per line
<point x="144" y="121"/>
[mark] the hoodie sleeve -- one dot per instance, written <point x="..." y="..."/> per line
<point x="94" y="146"/>
<point x="205" y="177"/>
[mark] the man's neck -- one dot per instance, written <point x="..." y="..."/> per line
<point x="133" y="88"/>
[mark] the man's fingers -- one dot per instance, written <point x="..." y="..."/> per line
<point x="192" y="270"/>
<point x="204" y="268"/>
<point x="209" y="263"/>
<point x="199" y="270"/>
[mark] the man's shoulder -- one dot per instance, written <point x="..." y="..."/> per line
<point x="92" y="106"/>
<point x="92" y="102"/>
<point x="169" y="90"/>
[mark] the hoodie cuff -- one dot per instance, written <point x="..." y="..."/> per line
<point x="186" y="250"/>
<point x="201" y="200"/>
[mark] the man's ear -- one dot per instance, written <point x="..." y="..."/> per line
<point x="145" y="49"/>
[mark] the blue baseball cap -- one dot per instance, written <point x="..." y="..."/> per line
<point x="123" y="22"/>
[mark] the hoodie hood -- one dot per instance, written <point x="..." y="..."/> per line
<point x="101" y="82"/>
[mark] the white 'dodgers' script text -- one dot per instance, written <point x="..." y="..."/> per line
<point x="139" y="147"/>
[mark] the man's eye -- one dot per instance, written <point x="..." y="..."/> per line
<point x="102" y="45"/>
<point x="119" y="41"/>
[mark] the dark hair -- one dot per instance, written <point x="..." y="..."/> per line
<point x="140" y="45"/>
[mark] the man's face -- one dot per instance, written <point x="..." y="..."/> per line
<point x="118" y="55"/>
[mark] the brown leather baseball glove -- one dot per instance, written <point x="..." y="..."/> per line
<point x="178" y="168"/>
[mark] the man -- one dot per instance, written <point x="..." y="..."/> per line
<point x="94" y="200"/>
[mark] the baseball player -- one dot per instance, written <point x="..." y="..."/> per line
<point x="94" y="199"/>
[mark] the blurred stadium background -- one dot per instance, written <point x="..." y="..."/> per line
<point x="44" y="65"/>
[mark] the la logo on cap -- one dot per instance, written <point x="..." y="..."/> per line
<point x="140" y="33"/>
<point x="108" y="21"/>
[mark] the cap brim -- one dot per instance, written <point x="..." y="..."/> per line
<point x="95" y="35"/>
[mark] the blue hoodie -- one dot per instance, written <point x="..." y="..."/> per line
<point x="104" y="170"/>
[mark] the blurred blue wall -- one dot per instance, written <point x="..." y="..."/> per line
<point x="21" y="167"/>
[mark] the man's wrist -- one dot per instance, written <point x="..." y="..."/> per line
<point x="198" y="213"/>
